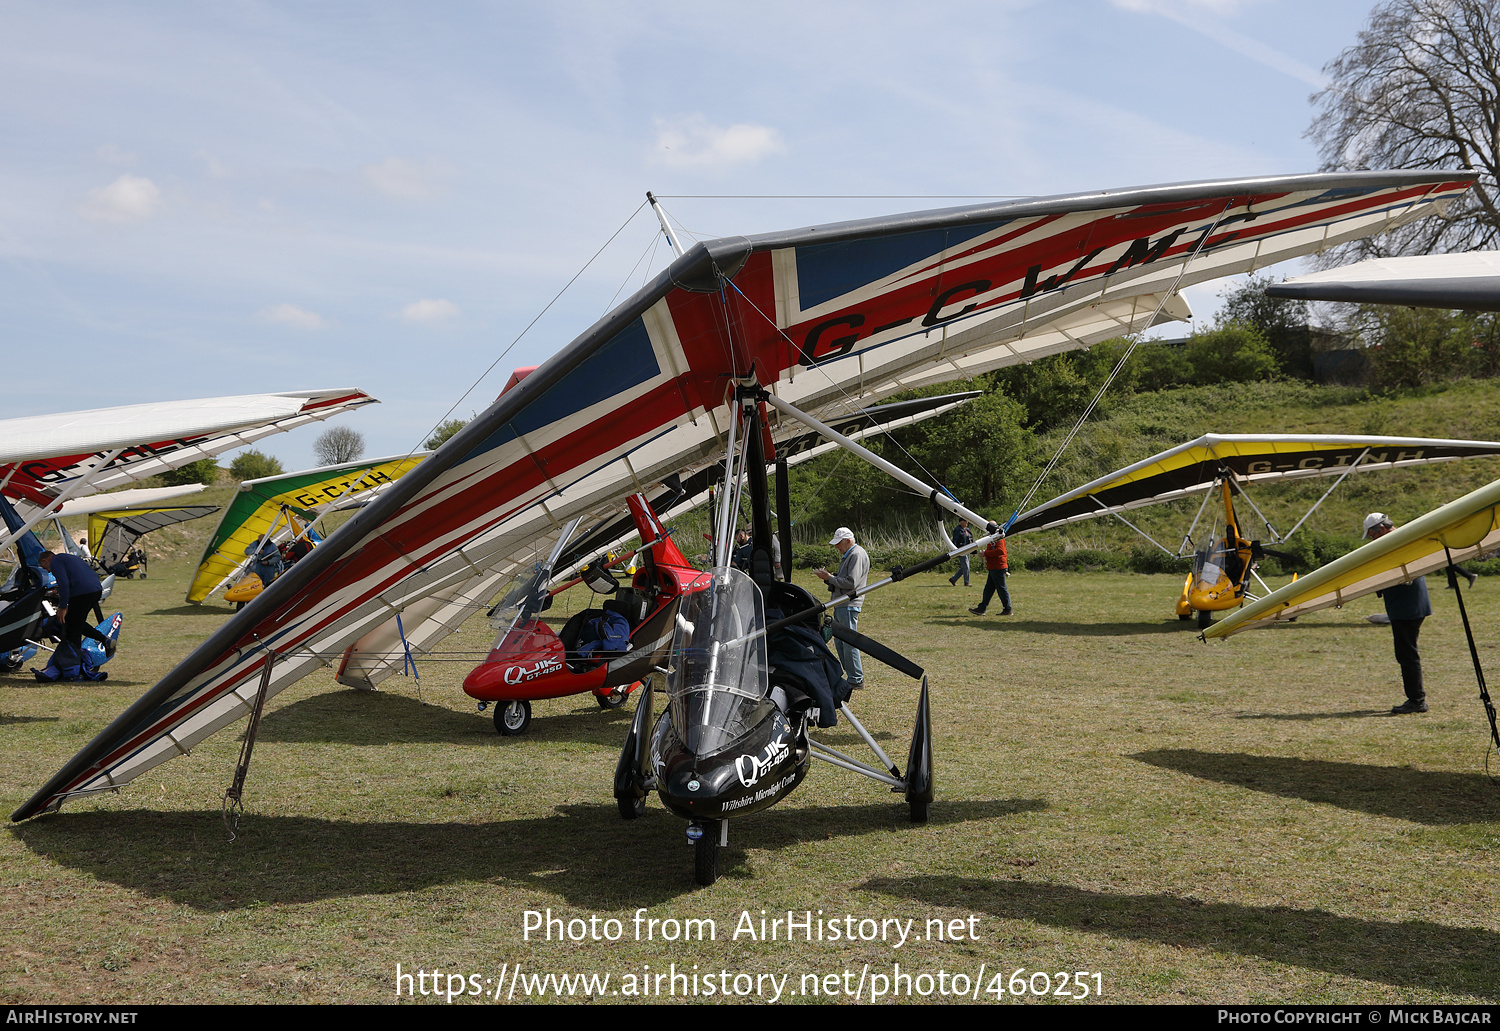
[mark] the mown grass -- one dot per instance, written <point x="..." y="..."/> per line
<point x="1235" y="822"/>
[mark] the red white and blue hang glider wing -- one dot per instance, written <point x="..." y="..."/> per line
<point x="41" y="456"/>
<point x="829" y="318"/>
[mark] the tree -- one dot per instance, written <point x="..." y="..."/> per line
<point x="205" y="471"/>
<point x="1232" y="353"/>
<point x="1055" y="389"/>
<point x="982" y="451"/>
<point x="253" y="465"/>
<point x="443" y="431"/>
<point x="1419" y="89"/>
<point x="338" y="445"/>
<point x="1410" y="347"/>
<point x="1284" y="323"/>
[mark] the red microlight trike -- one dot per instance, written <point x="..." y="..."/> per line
<point x="530" y="660"/>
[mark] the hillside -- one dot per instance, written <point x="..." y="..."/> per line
<point x="1135" y="427"/>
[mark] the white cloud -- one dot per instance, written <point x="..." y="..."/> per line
<point x="292" y="315"/>
<point x="430" y="311"/>
<point x="407" y="180"/>
<point x="129" y="198"/>
<point x="692" y="141"/>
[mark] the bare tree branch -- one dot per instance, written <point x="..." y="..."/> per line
<point x="337" y="445"/>
<point x="1420" y="88"/>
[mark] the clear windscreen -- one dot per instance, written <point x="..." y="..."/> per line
<point x="718" y="685"/>
<point x="1208" y="565"/>
<point x="523" y="602"/>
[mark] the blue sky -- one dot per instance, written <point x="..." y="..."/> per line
<point x="204" y="199"/>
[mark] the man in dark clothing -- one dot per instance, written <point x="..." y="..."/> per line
<point x="1407" y="604"/>
<point x="740" y="557"/>
<point x="962" y="538"/>
<point x="78" y="591"/>
<point x="998" y="566"/>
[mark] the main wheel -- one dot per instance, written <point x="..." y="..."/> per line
<point x="918" y="812"/>
<point x="613" y="700"/>
<point x="512" y="718"/>
<point x="631" y="808"/>
<point x="1205" y="619"/>
<point x="1186" y="617"/>
<point x="706" y="858"/>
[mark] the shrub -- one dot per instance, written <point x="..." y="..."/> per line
<point x="205" y="471"/>
<point x="253" y="465"/>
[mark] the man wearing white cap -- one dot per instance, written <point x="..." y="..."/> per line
<point x="854" y="572"/>
<point x="1406" y="605"/>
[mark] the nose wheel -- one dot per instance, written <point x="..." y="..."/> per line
<point x="512" y="718"/>
<point x="707" y="837"/>
<point x="706" y="860"/>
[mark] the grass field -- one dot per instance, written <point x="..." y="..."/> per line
<point x="1233" y="822"/>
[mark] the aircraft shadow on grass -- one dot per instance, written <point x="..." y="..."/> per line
<point x="1410" y="954"/>
<point x="1422" y="796"/>
<point x="1065" y="629"/>
<point x="6" y="719"/>
<point x="585" y="854"/>
<point x="23" y="678"/>
<point x="1305" y="717"/>
<point x="217" y="611"/>
<point x="383" y="718"/>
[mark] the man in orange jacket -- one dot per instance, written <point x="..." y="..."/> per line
<point x="995" y="562"/>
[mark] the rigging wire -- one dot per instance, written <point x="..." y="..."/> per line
<point x="509" y="347"/>
<point x="796" y="519"/>
<point x="648" y="255"/>
<point x="886" y="431"/>
<point x="1119" y="365"/>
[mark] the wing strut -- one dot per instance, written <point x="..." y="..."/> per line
<point x="1275" y="537"/>
<point x="1484" y="691"/>
<point x="233" y="797"/>
<point x="1187" y="538"/>
<point x="1327" y="492"/>
<point x="1104" y="508"/>
<point x="661" y="216"/>
<point x="937" y="497"/>
<point x="67" y="493"/>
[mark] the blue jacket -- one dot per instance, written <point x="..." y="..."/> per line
<point x="1404" y="601"/>
<point x="73" y="576"/>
